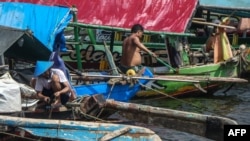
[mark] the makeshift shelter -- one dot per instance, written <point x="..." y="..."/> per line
<point x="155" y="15"/>
<point x="26" y="34"/>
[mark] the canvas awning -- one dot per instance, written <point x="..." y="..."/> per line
<point x="44" y="25"/>
<point x="155" y="15"/>
<point x="22" y="44"/>
<point x="231" y="7"/>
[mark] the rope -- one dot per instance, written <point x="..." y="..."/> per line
<point x="84" y="114"/>
<point x="107" y="98"/>
<point x="96" y="118"/>
<point x="244" y="60"/>
<point x="14" y="135"/>
<point x="198" y="108"/>
<point x="50" y="112"/>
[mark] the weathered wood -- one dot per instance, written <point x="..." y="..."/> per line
<point x="89" y="76"/>
<point x="110" y="59"/>
<point x="178" y="78"/>
<point x="114" y="134"/>
<point x="198" y="19"/>
<point x="203" y="125"/>
<point x="4" y="66"/>
<point x="77" y="130"/>
<point x="205" y="78"/>
<point x="213" y="24"/>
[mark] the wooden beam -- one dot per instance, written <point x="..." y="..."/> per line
<point x="213" y="24"/>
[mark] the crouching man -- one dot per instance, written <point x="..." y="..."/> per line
<point x="51" y="84"/>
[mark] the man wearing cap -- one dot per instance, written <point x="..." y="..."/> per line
<point x="51" y="84"/>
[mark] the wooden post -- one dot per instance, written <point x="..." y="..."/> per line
<point x="76" y="37"/>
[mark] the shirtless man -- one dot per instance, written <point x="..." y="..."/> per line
<point x="131" y="48"/>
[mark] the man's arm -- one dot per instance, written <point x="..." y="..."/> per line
<point x="65" y="90"/>
<point x="63" y="79"/>
<point x="42" y="97"/>
<point x="142" y="47"/>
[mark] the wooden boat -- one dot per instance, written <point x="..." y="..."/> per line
<point x="191" y="63"/>
<point x="18" y="43"/>
<point x="208" y="126"/>
<point x="77" y="130"/>
<point x="209" y="11"/>
<point x="24" y="39"/>
<point x="211" y="127"/>
<point x="117" y="89"/>
<point x="46" y="124"/>
<point x="98" y="109"/>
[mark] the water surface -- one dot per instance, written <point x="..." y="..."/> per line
<point x="234" y="104"/>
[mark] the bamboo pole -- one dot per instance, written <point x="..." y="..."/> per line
<point x="213" y="24"/>
<point x="178" y="78"/>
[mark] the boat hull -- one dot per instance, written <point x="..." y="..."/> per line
<point x="76" y="130"/>
<point x="175" y="88"/>
<point x="116" y="91"/>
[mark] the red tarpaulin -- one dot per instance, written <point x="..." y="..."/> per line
<point x="154" y="15"/>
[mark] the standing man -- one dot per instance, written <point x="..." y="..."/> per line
<point x="219" y="42"/>
<point x="131" y="48"/>
<point x="51" y="84"/>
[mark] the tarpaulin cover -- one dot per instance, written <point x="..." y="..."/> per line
<point x="20" y="44"/>
<point x="231" y="7"/>
<point x="45" y="22"/>
<point x="154" y="15"/>
<point x="10" y="95"/>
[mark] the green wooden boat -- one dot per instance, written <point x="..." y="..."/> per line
<point x="170" y="41"/>
<point x="176" y="59"/>
<point x="195" y="66"/>
<point x="211" y="10"/>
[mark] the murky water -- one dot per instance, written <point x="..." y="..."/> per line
<point x="234" y="104"/>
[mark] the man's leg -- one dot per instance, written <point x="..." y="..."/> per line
<point x="56" y="86"/>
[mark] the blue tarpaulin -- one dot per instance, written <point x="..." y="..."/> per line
<point x="232" y="7"/>
<point x="45" y="22"/>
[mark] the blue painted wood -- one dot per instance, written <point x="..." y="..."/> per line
<point x="77" y="130"/>
<point x="237" y="4"/>
<point x="82" y="135"/>
<point x="119" y="92"/>
<point x="231" y="7"/>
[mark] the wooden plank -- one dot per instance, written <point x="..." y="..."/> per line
<point x="85" y="76"/>
<point x="114" y="134"/>
<point x="111" y="61"/>
<point x="213" y="24"/>
<point x="178" y="78"/>
<point x="198" y="19"/>
<point x="77" y="130"/>
<point x="205" y="78"/>
<point x="208" y="126"/>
